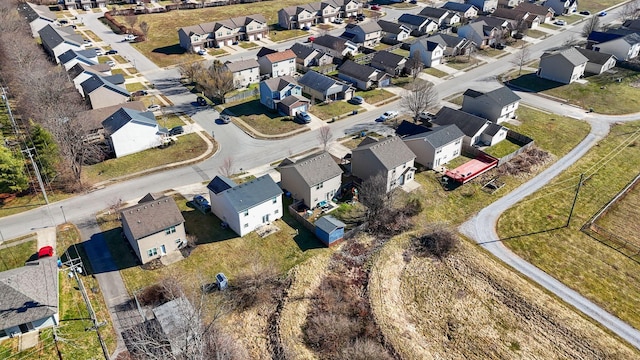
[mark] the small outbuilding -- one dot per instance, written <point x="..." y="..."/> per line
<point x="329" y="230"/>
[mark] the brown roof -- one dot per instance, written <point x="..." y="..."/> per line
<point x="281" y="56"/>
<point x="94" y="118"/>
<point x="151" y="217"/>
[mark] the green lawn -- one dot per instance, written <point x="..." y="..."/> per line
<point x="15" y="256"/>
<point x="326" y="111"/>
<point x="456" y="99"/>
<point x="503" y="148"/>
<point x="121" y="71"/>
<point x="490" y="52"/>
<point x="402" y="81"/>
<point x="435" y="72"/>
<point x="536" y="33"/>
<point x="375" y="96"/>
<point x="221" y="250"/>
<point x="596" y="271"/>
<point x="261" y="119"/>
<point x="247" y="45"/>
<point x="401" y="52"/>
<point x="187" y="147"/>
<point x="132" y="87"/>
<point x="597" y="5"/>
<point x="550" y="26"/>
<point x="92" y="36"/>
<point x="216" y="52"/>
<point x="462" y="62"/>
<point x="282" y="35"/>
<point x="29" y="201"/>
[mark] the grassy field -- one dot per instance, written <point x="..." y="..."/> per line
<point x="133" y="87"/>
<point x="470" y="306"/>
<point x="435" y="72"/>
<point x="597" y="5"/>
<point x="462" y="62"/>
<point x="261" y="119"/>
<point x="616" y="219"/>
<point x="15" y="256"/>
<point x="503" y="148"/>
<point x="282" y="35"/>
<point x="375" y="96"/>
<point x="596" y="271"/>
<point x="162" y="45"/>
<point x="536" y="33"/>
<point x="187" y="147"/>
<point x="326" y="111"/>
<point x="28" y="202"/>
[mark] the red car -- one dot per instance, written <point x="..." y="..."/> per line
<point x="45" y="251"/>
<point x="376" y="7"/>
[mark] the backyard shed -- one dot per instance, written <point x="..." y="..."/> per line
<point x="329" y="230"/>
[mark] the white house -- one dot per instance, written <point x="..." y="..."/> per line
<point x="313" y="179"/>
<point x="418" y="22"/>
<point x="245" y="207"/>
<point x="393" y="31"/>
<point x="483" y="5"/>
<point x="387" y="156"/>
<point x="435" y="147"/>
<point x="368" y="34"/>
<point x="29" y="298"/>
<point x="496" y="105"/>
<point x="598" y="62"/>
<point x="56" y="41"/>
<point x="38" y="16"/>
<point x="476" y="130"/>
<point x="130" y="131"/>
<point x="244" y="72"/>
<point x="623" y="46"/>
<point x="563" y="66"/>
<point x="335" y="46"/>
<point x="561" y="7"/>
<point x="466" y="11"/>
<point x="430" y="52"/>
<point x="440" y="15"/>
<point x="279" y="63"/>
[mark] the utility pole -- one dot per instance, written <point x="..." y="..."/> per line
<point x="5" y="97"/>
<point x="575" y="199"/>
<point x="35" y="168"/>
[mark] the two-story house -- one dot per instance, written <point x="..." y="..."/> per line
<point x="364" y="77"/>
<point x="484" y="6"/>
<point x="563" y="66"/>
<point x="368" y="34"/>
<point x="154" y="227"/>
<point x="392" y="64"/>
<point x="297" y="17"/>
<point x="561" y="7"/>
<point x="435" y="146"/>
<point x="393" y="32"/>
<point x="324" y="88"/>
<point x="276" y="64"/>
<point x="476" y="130"/>
<point x="388" y="156"/>
<point x="418" y="23"/>
<point x="245" y="72"/>
<point x="307" y="56"/>
<point x="313" y="179"/>
<point x="453" y="45"/>
<point x="466" y="11"/>
<point x="223" y="32"/>
<point x="129" y="131"/>
<point x="429" y="52"/>
<point x="247" y="206"/>
<point x="497" y="105"/>
<point x="624" y="44"/>
<point x="284" y="95"/>
<point x="545" y="13"/>
<point x="441" y="16"/>
<point x="335" y="46"/>
<point x="480" y="34"/>
<point x="58" y="40"/>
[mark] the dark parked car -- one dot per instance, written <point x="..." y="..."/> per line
<point x="176" y="130"/>
<point x="585" y="12"/>
<point x="201" y="101"/>
<point x="357" y="100"/>
<point x="111" y="52"/>
<point x="140" y="93"/>
<point x="303" y="117"/>
<point x="360" y="17"/>
<point x="202" y="203"/>
<point x="306" y="28"/>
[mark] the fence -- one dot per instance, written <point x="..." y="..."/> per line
<point x="299" y="218"/>
<point x="525" y="143"/>
<point x="324" y="69"/>
<point x="242" y="95"/>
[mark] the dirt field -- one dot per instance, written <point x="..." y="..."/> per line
<point x="623" y="217"/>
<point x="471" y="307"/>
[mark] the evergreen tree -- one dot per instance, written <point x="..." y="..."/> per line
<point x="12" y="176"/>
<point x="47" y="151"/>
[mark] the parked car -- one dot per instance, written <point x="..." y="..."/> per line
<point x="311" y="38"/>
<point x="498" y="46"/>
<point x="129" y="37"/>
<point x="303" y="117"/>
<point x="235" y="43"/>
<point x="357" y="100"/>
<point x="202" y="203"/>
<point x="112" y="52"/>
<point x="413" y="1"/>
<point x="201" y="101"/>
<point x="153" y="107"/>
<point x="306" y="28"/>
<point x="140" y="93"/>
<point x="360" y="17"/>
<point x="602" y="13"/>
<point x="560" y="22"/>
<point x="225" y="119"/>
<point x="387" y="115"/>
<point x="176" y="130"/>
<point x="111" y="63"/>
<point x="376" y="7"/>
<point x="45" y="251"/>
<point x="338" y="21"/>
<point x="425" y="116"/>
<point x="202" y="52"/>
<point x="585" y="12"/>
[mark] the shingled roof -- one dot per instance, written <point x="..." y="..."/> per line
<point x="247" y="195"/>
<point x="315" y="169"/>
<point x="151" y="217"/>
<point x="501" y="96"/>
<point x="468" y="123"/>
<point x="390" y="152"/>
<point x="439" y="136"/>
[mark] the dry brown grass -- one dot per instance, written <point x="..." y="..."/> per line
<point x="470" y="306"/>
<point x="619" y="219"/>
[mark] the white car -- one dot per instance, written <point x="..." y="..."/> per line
<point x="111" y="63"/>
<point x="560" y="23"/>
<point x="154" y="107"/>
<point x="202" y="52"/>
<point x="387" y="115"/>
<point x="129" y="37"/>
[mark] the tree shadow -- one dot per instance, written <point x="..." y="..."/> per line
<point x="174" y="49"/>
<point x="110" y="251"/>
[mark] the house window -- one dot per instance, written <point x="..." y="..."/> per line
<point x="152" y="252"/>
<point x="275" y="200"/>
<point x="277" y="211"/>
<point x="319" y="186"/>
<point x="438" y="151"/>
<point x="3" y="333"/>
<point x="246" y="225"/>
<point x="178" y="241"/>
<point x="170" y="230"/>
<point x="246" y="213"/>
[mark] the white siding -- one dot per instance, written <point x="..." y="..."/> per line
<point x="133" y="138"/>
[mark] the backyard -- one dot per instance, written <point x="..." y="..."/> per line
<point x="258" y="117"/>
<point x="327" y="111"/>
<point x="15" y="252"/>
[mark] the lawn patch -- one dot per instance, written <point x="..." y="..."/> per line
<point x="401" y="52"/>
<point x="435" y="72"/>
<point x="94" y="38"/>
<point x="15" y="256"/>
<point x="327" y="111"/>
<point x="261" y="119"/>
<point x="133" y="87"/>
<point x="536" y="33"/>
<point x="503" y="148"/>
<point x="462" y="62"/>
<point x="282" y="35"/>
<point x="375" y="96"/>
<point x="247" y="45"/>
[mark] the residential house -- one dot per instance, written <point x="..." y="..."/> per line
<point x="418" y="23"/>
<point x="38" y="16"/>
<point x="388" y="156"/>
<point x="347" y="8"/>
<point x="335" y="46"/>
<point x="305" y="15"/>
<point x="393" y="32"/>
<point x="562" y="7"/>
<point x="484" y="6"/>
<point x="325" y="88"/>
<point x="307" y="56"/>
<point x="497" y="105"/>
<point x="69" y="58"/>
<point x="56" y="41"/>
<point x="476" y="130"/>
<point x="154" y="227"/>
<point x="329" y="230"/>
<point x="633" y="24"/>
<point x="563" y="66"/>
<point x="91" y="120"/>
<point x="518" y="18"/>
<point x="436" y="146"/>
<point x="368" y="33"/>
<point x="247" y="206"/>
<point x="507" y="27"/>
<point x="277" y="64"/>
<point x="130" y="131"/>
<point x="29" y="298"/>
<point x="441" y="16"/>
<point x="85" y="4"/>
<point x="315" y="179"/>
<point x="245" y="72"/>
<point x="453" y="45"/>
<point x="430" y="52"/>
<point x="597" y="62"/>
<point x="392" y="64"/>
<point x="275" y="94"/>
<point x="545" y="13"/>
<point x="362" y="76"/>
<point x="479" y="33"/>
<point x="100" y="92"/>
<point x="297" y="17"/>
<point x="625" y="45"/>
<point x="503" y="4"/>
<point x="466" y="11"/>
<point x="265" y="51"/>
<point x="81" y="72"/>
<point x="223" y="32"/>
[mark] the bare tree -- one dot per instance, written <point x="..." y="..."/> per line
<point x="630" y="11"/>
<point x="592" y="24"/>
<point x="415" y="65"/>
<point x="191" y="70"/>
<point x="521" y="58"/>
<point x="374" y="195"/>
<point x="144" y="27"/>
<point x="131" y="20"/>
<point x="325" y="135"/>
<point x="226" y="168"/>
<point x="420" y="96"/>
<point x="216" y="81"/>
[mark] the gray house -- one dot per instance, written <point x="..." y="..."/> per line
<point x="483" y="5"/>
<point x="453" y="45"/>
<point x="466" y="11"/>
<point x="392" y="64"/>
<point x="496" y="105"/>
<point x="38" y="16"/>
<point x="307" y="56"/>
<point x="476" y="130"/>
<point x="70" y="58"/>
<point x="368" y="34"/>
<point x="598" y="62"/>
<point x="313" y="179"/>
<point x="29" y="298"/>
<point x="392" y="31"/>
<point x="419" y="23"/>
<point x="561" y="7"/>
<point x="480" y="33"/>
<point x="335" y="46"/>
<point x="437" y="146"/>
<point x="325" y="88"/>
<point x="56" y="41"/>
<point x="100" y="92"/>
<point x="430" y="52"/>
<point x="389" y="156"/>
<point x="362" y="76"/>
<point x="245" y="72"/>
<point x="563" y="66"/>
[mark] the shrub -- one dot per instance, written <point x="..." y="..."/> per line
<point x="364" y="349"/>
<point x="439" y="242"/>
